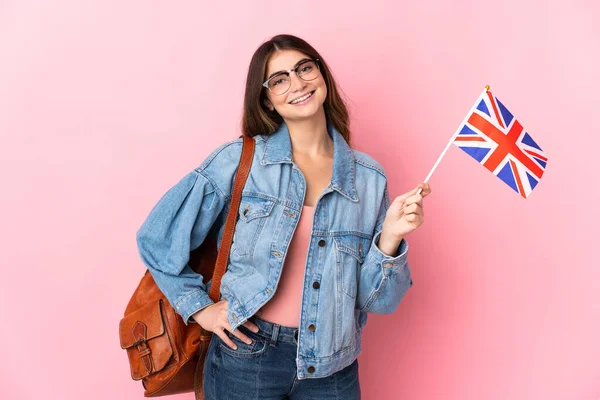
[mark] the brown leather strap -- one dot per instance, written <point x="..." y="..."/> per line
<point x="240" y="181"/>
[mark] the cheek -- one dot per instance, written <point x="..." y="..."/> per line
<point x="324" y="92"/>
<point x="323" y="88"/>
<point x="273" y="100"/>
<point x="278" y="101"/>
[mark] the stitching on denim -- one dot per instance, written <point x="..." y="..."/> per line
<point x="226" y="197"/>
<point x="186" y="296"/>
<point x="373" y="167"/>
<point x="341" y="233"/>
<point x="216" y="152"/>
<point x="374" y="295"/>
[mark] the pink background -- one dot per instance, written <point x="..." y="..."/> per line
<point x="106" y="104"/>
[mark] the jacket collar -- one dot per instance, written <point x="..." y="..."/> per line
<point x="278" y="150"/>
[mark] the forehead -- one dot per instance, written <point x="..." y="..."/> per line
<point x="283" y="60"/>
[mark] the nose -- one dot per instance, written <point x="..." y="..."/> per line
<point x="296" y="83"/>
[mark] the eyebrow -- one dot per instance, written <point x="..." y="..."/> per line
<point x="295" y="65"/>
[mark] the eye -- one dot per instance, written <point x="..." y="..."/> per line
<point x="279" y="80"/>
<point x="306" y="68"/>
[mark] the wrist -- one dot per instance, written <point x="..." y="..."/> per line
<point x="389" y="244"/>
<point x="197" y="315"/>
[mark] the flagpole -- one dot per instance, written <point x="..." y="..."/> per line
<point x="485" y="90"/>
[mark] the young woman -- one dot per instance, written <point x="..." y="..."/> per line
<point x="317" y="245"/>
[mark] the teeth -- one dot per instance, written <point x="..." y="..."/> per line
<point x="302" y="98"/>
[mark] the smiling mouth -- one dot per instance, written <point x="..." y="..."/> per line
<point x="303" y="98"/>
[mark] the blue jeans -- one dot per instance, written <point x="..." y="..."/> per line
<point x="266" y="369"/>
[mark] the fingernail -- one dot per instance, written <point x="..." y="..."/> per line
<point x="255" y="330"/>
<point x="249" y="341"/>
<point x="234" y="347"/>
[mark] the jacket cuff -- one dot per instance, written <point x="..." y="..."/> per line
<point x="389" y="264"/>
<point x="191" y="303"/>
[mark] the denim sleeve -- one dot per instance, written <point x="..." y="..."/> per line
<point x="178" y="223"/>
<point x="384" y="279"/>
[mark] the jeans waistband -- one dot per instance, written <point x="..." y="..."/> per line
<point x="275" y="332"/>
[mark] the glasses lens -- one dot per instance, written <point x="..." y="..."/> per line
<point x="308" y="70"/>
<point x="279" y="84"/>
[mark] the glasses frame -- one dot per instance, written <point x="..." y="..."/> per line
<point x="266" y="83"/>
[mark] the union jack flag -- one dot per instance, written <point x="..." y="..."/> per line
<point x="493" y="136"/>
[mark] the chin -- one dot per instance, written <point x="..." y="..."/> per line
<point x="300" y="115"/>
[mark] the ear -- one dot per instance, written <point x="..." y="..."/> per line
<point x="268" y="104"/>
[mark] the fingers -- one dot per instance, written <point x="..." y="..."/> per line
<point x="402" y="198"/>
<point x="411" y="217"/>
<point x="221" y="326"/>
<point x="414" y="208"/>
<point x="413" y="213"/>
<point x="415" y="219"/>
<point x="221" y="333"/>
<point x="402" y="206"/>
<point x="238" y="334"/>
<point x="221" y="323"/>
<point x="416" y="195"/>
<point x="423" y="189"/>
<point x="414" y="199"/>
<point x="413" y="204"/>
<point x="251" y="326"/>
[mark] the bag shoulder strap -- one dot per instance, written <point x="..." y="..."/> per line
<point x="238" y="185"/>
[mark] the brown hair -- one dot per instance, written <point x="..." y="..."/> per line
<point x="257" y="118"/>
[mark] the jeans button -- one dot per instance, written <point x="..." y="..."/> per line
<point x="312" y="328"/>
<point x="321" y="243"/>
<point x="311" y="369"/>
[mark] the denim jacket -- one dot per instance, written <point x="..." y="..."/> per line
<point x="354" y="277"/>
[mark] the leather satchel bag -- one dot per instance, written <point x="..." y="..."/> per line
<point x="164" y="353"/>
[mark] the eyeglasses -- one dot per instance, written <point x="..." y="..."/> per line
<point x="280" y="83"/>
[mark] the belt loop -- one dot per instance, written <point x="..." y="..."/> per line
<point x="274" y="334"/>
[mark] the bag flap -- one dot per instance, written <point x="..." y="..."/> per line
<point x="143" y="324"/>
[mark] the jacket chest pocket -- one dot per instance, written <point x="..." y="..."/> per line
<point x="350" y="254"/>
<point x="253" y="213"/>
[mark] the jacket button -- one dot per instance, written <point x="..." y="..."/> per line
<point x="311" y="369"/>
<point x="312" y="328"/>
<point x="321" y="243"/>
<point x="316" y="285"/>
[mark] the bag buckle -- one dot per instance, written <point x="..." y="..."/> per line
<point x="140" y="332"/>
